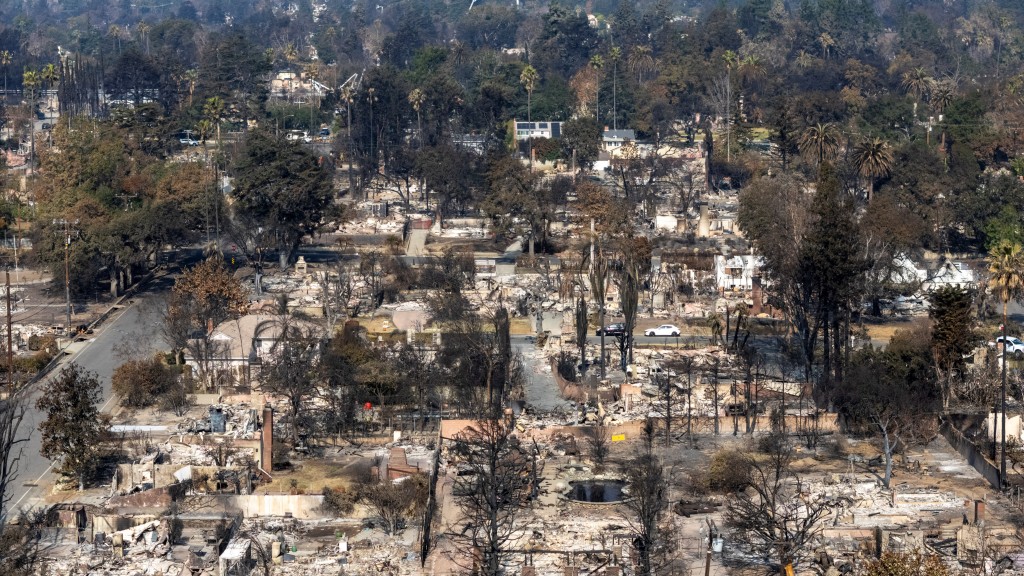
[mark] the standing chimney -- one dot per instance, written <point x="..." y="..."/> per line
<point x="756" y="295"/>
<point x="979" y="512"/>
<point x="267" y="440"/>
<point x="704" y="223"/>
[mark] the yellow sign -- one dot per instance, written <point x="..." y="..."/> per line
<point x="618" y="437"/>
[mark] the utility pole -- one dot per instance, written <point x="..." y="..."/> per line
<point x="10" y="339"/>
<point x="1002" y="415"/>
<point x="711" y="540"/>
<point x="67" y="269"/>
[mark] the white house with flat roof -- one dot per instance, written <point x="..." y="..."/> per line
<point x="528" y="130"/>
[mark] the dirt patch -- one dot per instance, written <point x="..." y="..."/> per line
<point x="522" y="326"/>
<point x="311" y="476"/>
<point x="885" y="330"/>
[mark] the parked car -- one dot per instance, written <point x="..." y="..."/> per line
<point x="616" y="329"/>
<point x="1014" y="346"/>
<point x="189" y="142"/>
<point x="298" y="135"/>
<point x="663" y="330"/>
<point x="325" y="132"/>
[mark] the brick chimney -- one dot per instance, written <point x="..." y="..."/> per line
<point x="267" y="440"/>
<point x="756" y="295"/>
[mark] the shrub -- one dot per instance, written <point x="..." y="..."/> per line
<point x="771" y="443"/>
<point x="140" y="383"/>
<point x="729" y="471"/>
<point x="339" y="502"/>
<point x="34" y="363"/>
<point x="394" y="501"/>
<point x="37" y="342"/>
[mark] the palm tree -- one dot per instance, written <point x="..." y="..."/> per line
<point x="204" y="127"/>
<point x="615" y="54"/>
<point x="417" y="97"/>
<point x="348" y="96"/>
<point x="143" y="29"/>
<point x="49" y="75"/>
<point x="750" y="68"/>
<point x="312" y="72"/>
<point x="458" y="53"/>
<point x="115" y="32"/>
<point x="213" y="111"/>
<point x="528" y="78"/>
<point x="641" y="62"/>
<point x="1006" y="279"/>
<point x="804" y="60"/>
<point x="597" y="63"/>
<point x="916" y="82"/>
<point x="371" y="99"/>
<point x="30" y="82"/>
<point x="827" y="42"/>
<point x="291" y="55"/>
<point x="820" y="141"/>
<point x="941" y="96"/>
<point x="874" y="159"/>
<point x="191" y="78"/>
<point x="5" y="61"/>
<point x="731" y="59"/>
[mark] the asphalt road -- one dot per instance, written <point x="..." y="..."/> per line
<point x="136" y="325"/>
<point x="685" y="340"/>
<point x="1014" y="312"/>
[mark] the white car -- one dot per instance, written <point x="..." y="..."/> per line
<point x="663" y="330"/>
<point x="1014" y="346"/>
<point x="297" y="135"/>
<point x="189" y="142"/>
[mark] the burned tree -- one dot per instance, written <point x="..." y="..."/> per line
<point x="893" y="393"/>
<point x="475" y="356"/>
<point x="202" y="298"/>
<point x="599" y="440"/>
<point x="647" y="503"/>
<point x="771" y="517"/>
<point x="12" y="412"/>
<point x="395" y="501"/>
<point x="501" y="476"/>
<point x="635" y="254"/>
<point x="23" y="544"/>
<point x="338" y="287"/>
<point x="581" y="329"/>
<point x="292" y="369"/>
<point x="598" y="278"/>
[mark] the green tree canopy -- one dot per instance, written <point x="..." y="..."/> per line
<point x="282" y="188"/>
<point x="74" y="427"/>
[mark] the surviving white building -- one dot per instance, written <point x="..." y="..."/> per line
<point x="736" y="273"/>
<point x="942" y="274"/>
